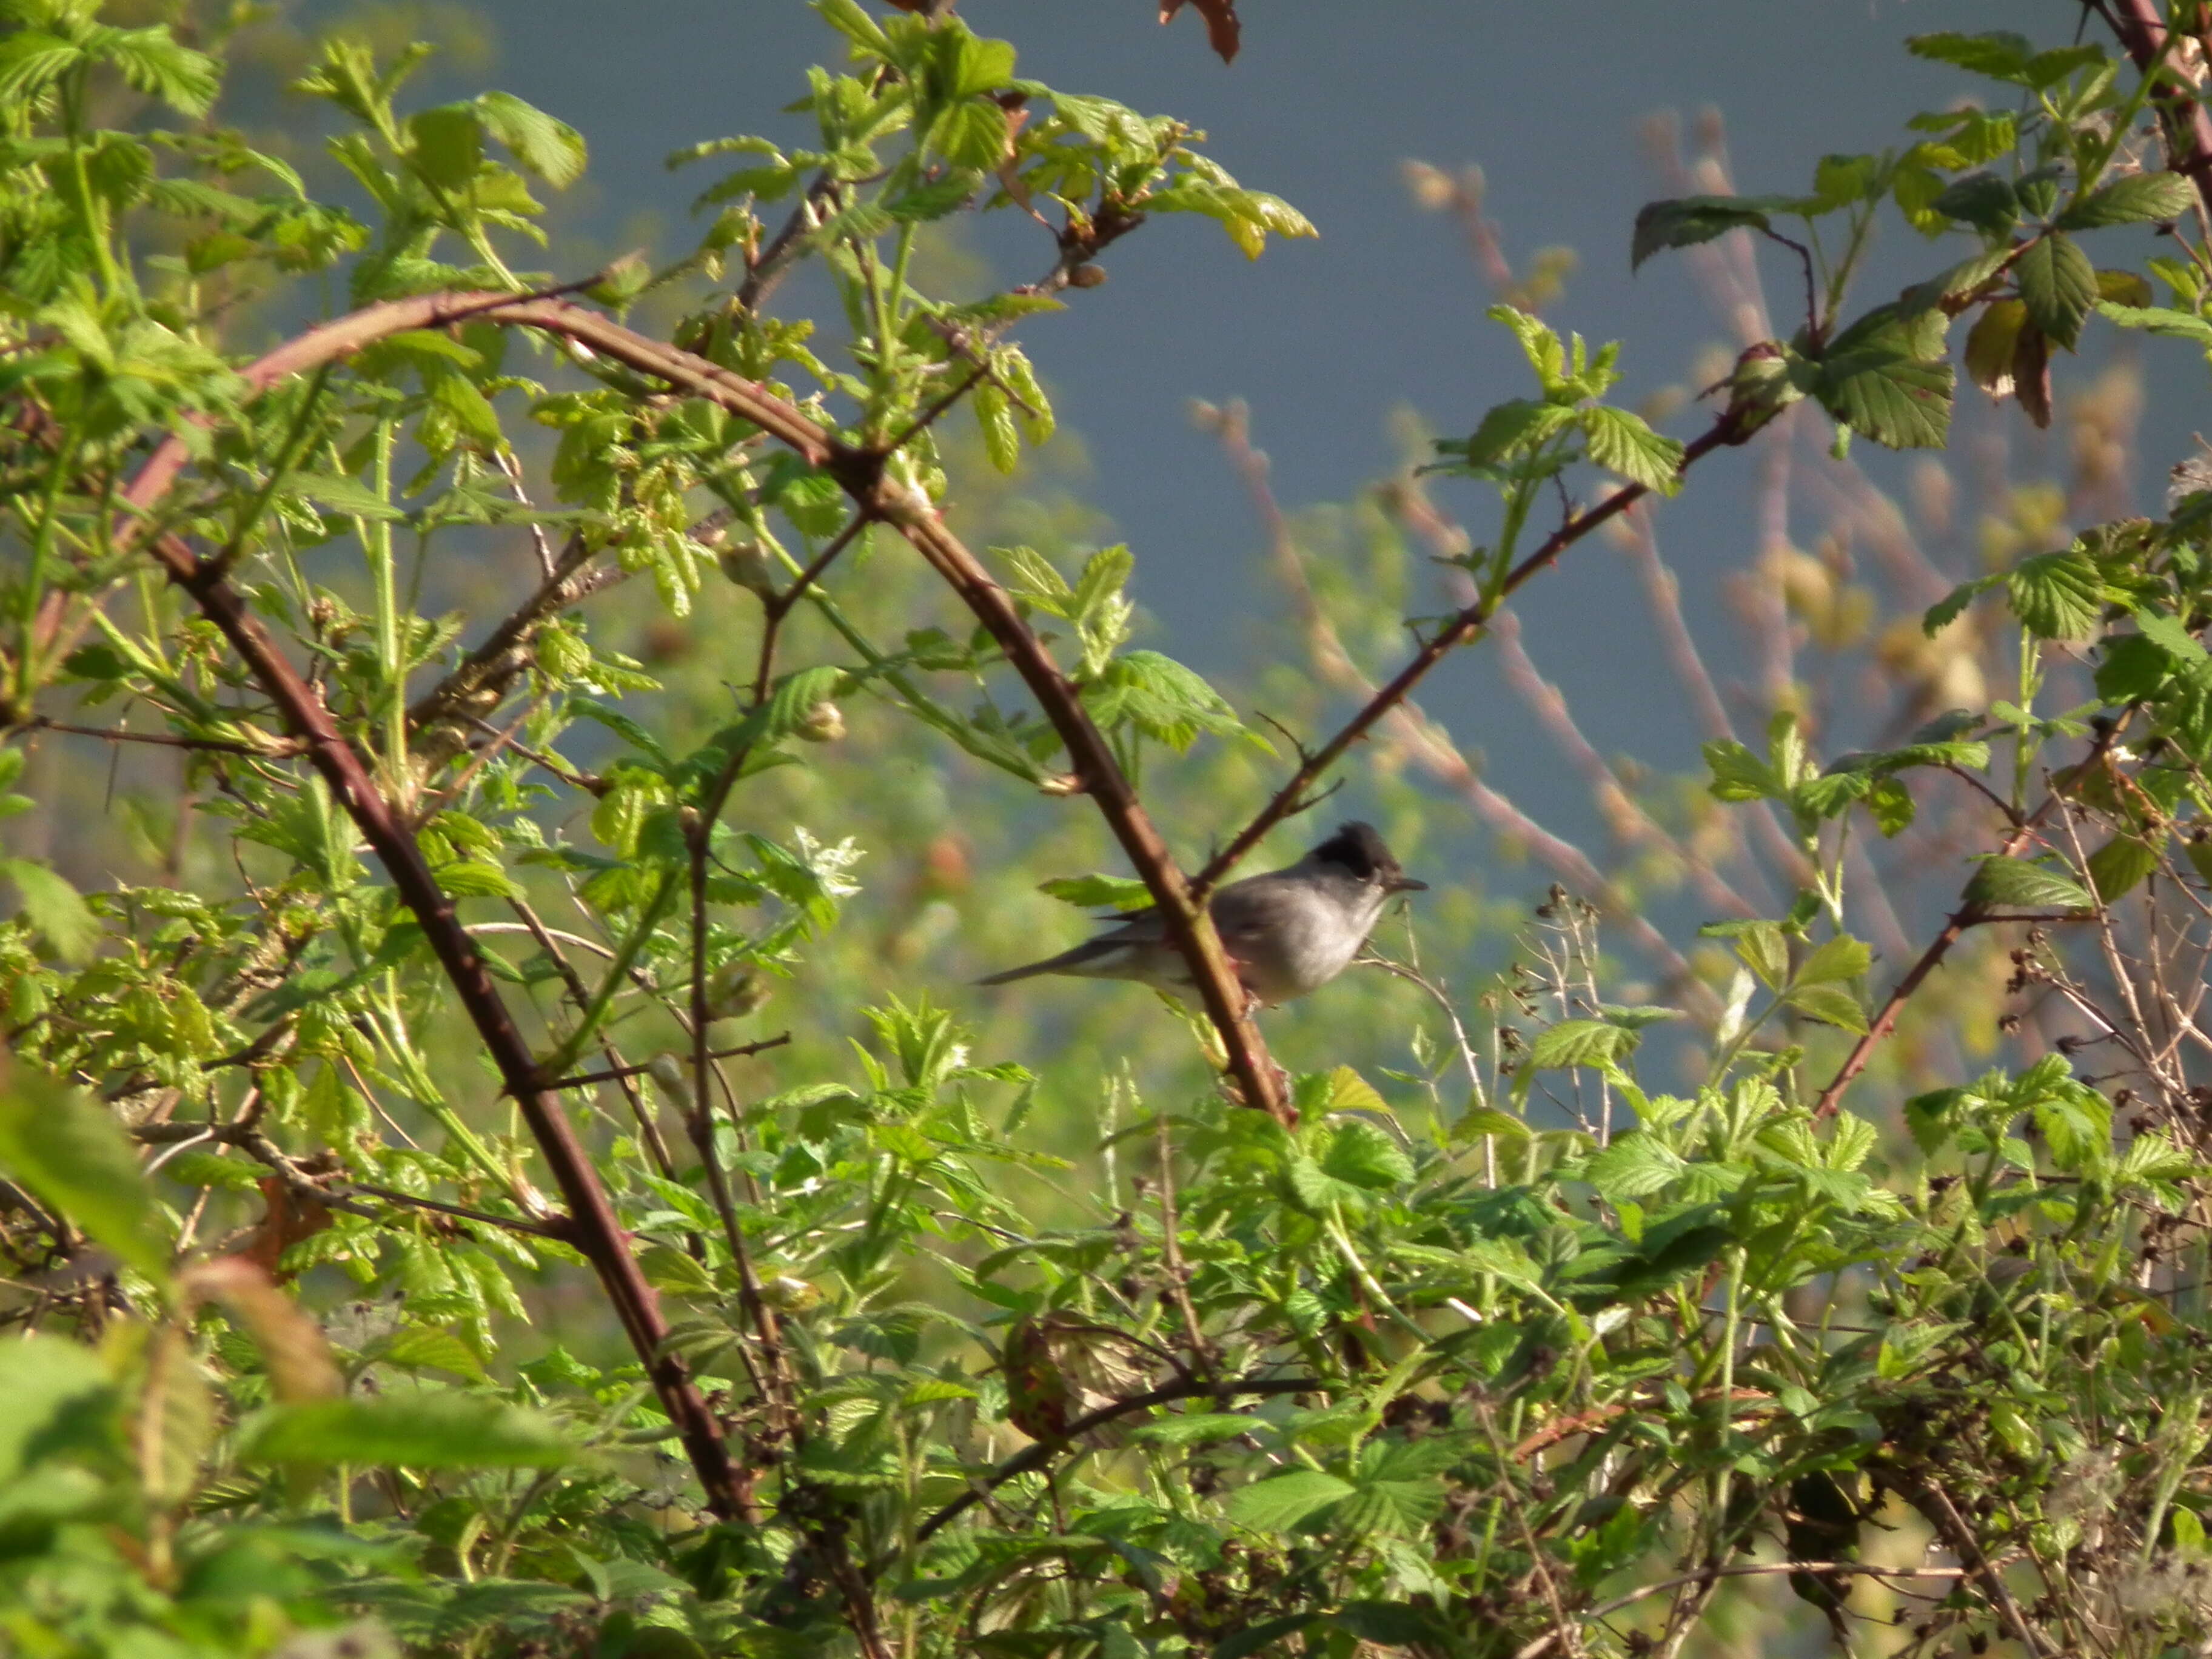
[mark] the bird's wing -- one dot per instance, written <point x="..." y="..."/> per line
<point x="1242" y="910"/>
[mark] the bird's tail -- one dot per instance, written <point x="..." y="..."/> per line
<point x="1084" y="960"/>
<point x="1014" y="974"/>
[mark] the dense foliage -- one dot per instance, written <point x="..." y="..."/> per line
<point x="404" y="1244"/>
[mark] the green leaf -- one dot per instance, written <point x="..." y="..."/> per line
<point x="2121" y="863"/>
<point x="1836" y="960"/>
<point x="1579" y="1042"/>
<point x="1511" y="428"/>
<point x="1623" y="443"/>
<point x="1685" y="221"/>
<point x="972" y="133"/>
<point x="1636" y="1165"/>
<point x="415" y="1347"/>
<point x="448" y="144"/>
<point x="1764" y="950"/>
<point x="2058" y="285"/>
<point x="1948" y="609"/>
<point x="2158" y="320"/>
<point x="850" y="19"/>
<point x="473" y="879"/>
<point x="55" y="909"/>
<point x="1363" y="1155"/>
<point x="2017" y="884"/>
<point x="2134" y="667"/>
<point x="1738" y="774"/>
<point x="2140" y="198"/>
<point x="2000" y="54"/>
<point x="1098" y="892"/>
<point x="2057" y="596"/>
<point x="994" y="419"/>
<point x="1981" y="200"/>
<point x="1880" y="391"/>
<point x="1196" y="1429"/>
<point x="426" y="1429"/>
<point x="347" y="495"/>
<point x="1829" y="1003"/>
<point x="552" y="150"/>
<point x="1279" y="1505"/>
<point x="1162" y="698"/>
<point x="71" y="1154"/>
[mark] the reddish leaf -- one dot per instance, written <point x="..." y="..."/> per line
<point x="290" y="1218"/>
<point x="2031" y="374"/>
<point x="1223" y="32"/>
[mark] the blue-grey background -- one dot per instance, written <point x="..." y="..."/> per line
<point x="1384" y="313"/>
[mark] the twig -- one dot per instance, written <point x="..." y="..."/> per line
<point x="275" y="748"/>
<point x="1971" y="913"/>
<point x="1034" y="1457"/>
<point x="584" y="1079"/>
<point x="1727" y="430"/>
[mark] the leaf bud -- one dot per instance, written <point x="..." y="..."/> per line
<point x="748" y="565"/>
<point x="825" y="723"/>
<point x="734" y="991"/>
<point x="668" y="1071"/>
<point x="560" y="655"/>
<point x="789" y="1295"/>
<point x="1087" y="276"/>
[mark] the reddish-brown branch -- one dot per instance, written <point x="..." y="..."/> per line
<point x="1970" y="914"/>
<point x="2140" y="26"/>
<point x="1729" y="429"/>
<point x="592" y="1226"/>
<point x="863" y="475"/>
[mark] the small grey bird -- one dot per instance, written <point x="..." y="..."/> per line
<point x="1286" y="932"/>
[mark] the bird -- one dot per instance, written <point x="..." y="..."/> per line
<point x="1287" y="933"/>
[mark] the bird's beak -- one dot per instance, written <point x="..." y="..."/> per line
<point x="1406" y="884"/>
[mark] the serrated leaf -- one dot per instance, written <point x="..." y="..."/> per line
<point x="416" y="1348"/>
<point x="2056" y="596"/>
<point x="2158" y="320"/>
<point x="1829" y="1003"/>
<point x="1578" y="1043"/>
<point x="1280" y="1504"/>
<point x="1098" y="892"/>
<point x="1360" y="1154"/>
<point x="1837" y="959"/>
<point x="1764" y="950"/>
<point x="1636" y="1165"/>
<point x="1882" y="392"/>
<point x="473" y="879"/>
<point x="1738" y="774"/>
<point x="1685" y="221"/>
<point x="2016" y="885"/>
<point x="2140" y="198"/>
<point x="551" y="148"/>
<point x="2058" y="285"/>
<point x="973" y="133"/>
<point x="344" y="494"/>
<point x="1623" y="443"/>
<point x="2000" y="53"/>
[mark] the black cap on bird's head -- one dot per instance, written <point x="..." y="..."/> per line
<point x="1359" y="852"/>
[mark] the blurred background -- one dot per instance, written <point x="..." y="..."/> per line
<point x="1450" y="155"/>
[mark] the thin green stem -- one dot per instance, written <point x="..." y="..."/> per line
<point x="42" y="541"/>
<point x="563" y="1059"/>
